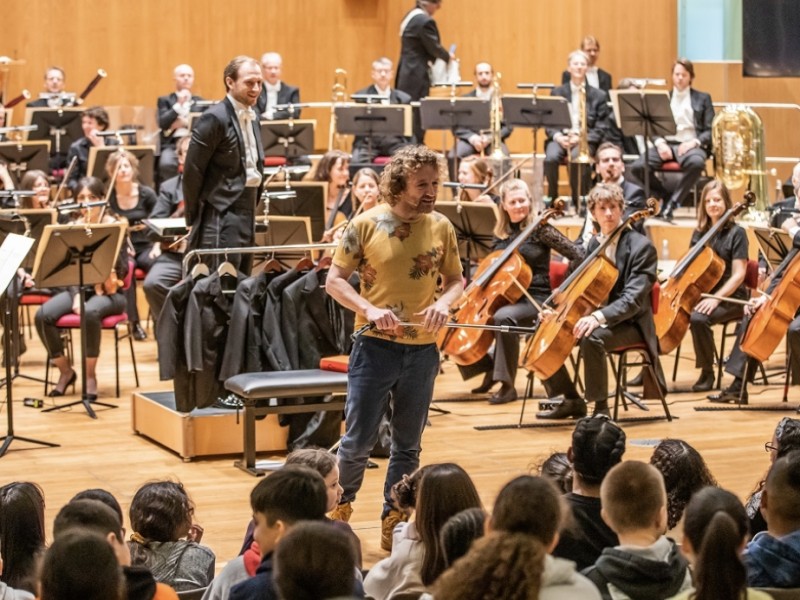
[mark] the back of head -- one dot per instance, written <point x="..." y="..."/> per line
<point x="529" y="505"/>
<point x="445" y="490"/>
<point x="21" y="533"/>
<point x="788" y="436"/>
<point x="161" y="511"/>
<point x="318" y="459"/>
<point x="459" y="532"/>
<point x="294" y="493"/>
<point x="558" y="469"/>
<point x="406" y="489"/>
<point x="103" y="496"/>
<point x="87" y="515"/>
<point x="597" y="445"/>
<point x="81" y="565"/>
<point x="501" y="566"/>
<point x="715" y="524"/>
<point x="633" y="497"/>
<point x="313" y="561"/>
<point x="783" y="493"/>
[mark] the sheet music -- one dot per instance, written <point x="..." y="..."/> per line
<point x="167" y="227"/>
<point x="13" y="251"/>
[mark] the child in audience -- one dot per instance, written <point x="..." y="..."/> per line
<point x="558" y="469"/>
<point x="21" y="534"/>
<point x="417" y="558"/>
<point x="165" y="539"/>
<point x="294" y="493"/>
<point x="773" y="557"/>
<point x="684" y="472"/>
<point x="646" y="565"/>
<point x="314" y="561"/>
<point x="460" y="531"/>
<point x="714" y="533"/>
<point x="597" y="445"/>
<point x="534" y="507"/>
<point x="103" y="496"/>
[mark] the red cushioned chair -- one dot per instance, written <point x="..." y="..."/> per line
<point x="26" y="300"/>
<point x="119" y="324"/>
<point x="274" y="161"/>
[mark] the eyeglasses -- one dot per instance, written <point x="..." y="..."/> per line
<point x="770" y="447"/>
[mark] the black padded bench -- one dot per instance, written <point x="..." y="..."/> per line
<point x="250" y="387"/>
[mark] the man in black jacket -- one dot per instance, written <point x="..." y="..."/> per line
<point x="611" y="169"/>
<point x="173" y="119"/>
<point x="595" y="76"/>
<point x="275" y="92"/>
<point x="224" y="166"/>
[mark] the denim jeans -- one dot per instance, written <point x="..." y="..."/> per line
<point x="376" y="368"/>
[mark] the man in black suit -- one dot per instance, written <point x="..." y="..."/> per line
<point x="595" y="76"/>
<point x="275" y="92"/>
<point x="627" y="317"/>
<point x="53" y="95"/>
<point x="173" y="119"/>
<point x="365" y="149"/>
<point x="559" y="142"/>
<point x="471" y="142"/>
<point x="611" y="169"/>
<point x="419" y="45"/>
<point x="93" y="120"/>
<point x="224" y="167"/>
<point x="782" y="211"/>
<point x="691" y="145"/>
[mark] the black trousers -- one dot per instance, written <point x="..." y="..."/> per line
<point x="692" y="164"/>
<point x="164" y="273"/>
<point x="703" y="336"/>
<point x="232" y="228"/>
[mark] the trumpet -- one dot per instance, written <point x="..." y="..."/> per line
<point x="496" y="123"/>
<point x="339" y="95"/>
<point x="583" y="156"/>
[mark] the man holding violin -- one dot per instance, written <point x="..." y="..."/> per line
<point x="627" y="316"/>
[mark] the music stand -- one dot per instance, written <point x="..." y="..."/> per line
<point x="474" y="223"/>
<point x="535" y="113"/>
<point x="309" y="201"/>
<point x="12" y="253"/>
<point x="82" y="255"/>
<point x="643" y="112"/>
<point x="98" y="157"/>
<point x="289" y="139"/>
<point x="283" y="231"/>
<point x="368" y="120"/>
<point x="25" y="156"/>
<point x="774" y="243"/>
<point x="61" y="126"/>
<point x="455" y="113"/>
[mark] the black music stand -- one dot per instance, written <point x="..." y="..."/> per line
<point x="452" y="114"/>
<point x="82" y="255"/>
<point x="646" y="113"/>
<point x="98" y="157"/>
<point x="25" y="156"/>
<point x="368" y="120"/>
<point x="283" y="231"/>
<point x="289" y="139"/>
<point x="61" y="126"/>
<point x="774" y="243"/>
<point x="535" y="113"/>
<point x="308" y="201"/>
<point x="474" y="223"/>
<point x="12" y="253"/>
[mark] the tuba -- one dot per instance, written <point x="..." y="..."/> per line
<point x="339" y="95"/>
<point x="737" y="136"/>
<point x="497" y="157"/>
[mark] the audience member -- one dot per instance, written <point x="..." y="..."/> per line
<point x="103" y="496"/>
<point x="460" y="531"/>
<point x="22" y="539"/>
<point x="714" y="533"/>
<point x="646" y="564"/>
<point x="417" y="558"/>
<point x="597" y="445"/>
<point x="557" y="469"/>
<point x="773" y="557"/>
<point x="165" y="539"/>
<point x="314" y="561"/>
<point x="684" y="472"/>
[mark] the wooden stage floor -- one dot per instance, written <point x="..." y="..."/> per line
<point x="106" y="453"/>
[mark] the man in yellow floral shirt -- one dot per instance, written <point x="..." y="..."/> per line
<point x="400" y="248"/>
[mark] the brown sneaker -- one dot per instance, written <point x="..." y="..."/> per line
<point x="388" y="524"/>
<point x="342" y="512"/>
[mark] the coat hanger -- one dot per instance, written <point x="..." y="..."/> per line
<point x="226" y="268"/>
<point x="324" y="263"/>
<point x="199" y="270"/>
<point x="304" y="264"/>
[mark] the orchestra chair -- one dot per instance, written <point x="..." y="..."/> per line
<point x="26" y="300"/>
<point x="119" y="324"/>
<point x="730" y="329"/>
<point x="196" y="594"/>
<point x="670" y="171"/>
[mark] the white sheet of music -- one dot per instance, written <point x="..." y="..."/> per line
<point x="13" y="251"/>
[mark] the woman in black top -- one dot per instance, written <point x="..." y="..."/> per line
<point x="731" y="246"/>
<point x="135" y="202"/>
<point x="514" y="216"/>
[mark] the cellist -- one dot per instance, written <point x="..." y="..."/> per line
<point x="626" y="318"/>
<point x="514" y="216"/>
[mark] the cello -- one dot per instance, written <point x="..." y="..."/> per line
<point x="696" y="273"/>
<point x="580" y="294"/>
<point x="501" y="279"/>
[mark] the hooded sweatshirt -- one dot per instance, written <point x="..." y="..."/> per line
<point x="560" y="581"/>
<point x="7" y="593"/>
<point x="772" y="561"/>
<point x="653" y="573"/>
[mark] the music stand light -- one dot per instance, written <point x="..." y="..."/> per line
<point x="61" y="126"/>
<point x="474" y="223"/>
<point x="22" y="157"/>
<point x="289" y="139"/>
<point x="81" y="255"/>
<point x="309" y="202"/>
<point x="283" y="231"/>
<point x="451" y="114"/>
<point x="98" y="157"/>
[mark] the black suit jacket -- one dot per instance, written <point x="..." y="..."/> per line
<point x="464" y="134"/>
<point x="80" y="149"/>
<point x="420" y="44"/>
<point x="167" y="115"/>
<point x="597" y="112"/>
<point x="703" y="110"/>
<point x="395" y="97"/>
<point x="635" y="200"/>
<point x="215" y="171"/>
<point x="603" y="77"/>
<point x="287" y="94"/>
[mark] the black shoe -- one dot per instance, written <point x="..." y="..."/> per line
<point x="601" y="408"/>
<point x="570" y="407"/>
<point x="139" y="334"/>
<point x="730" y="395"/>
<point x="55" y="392"/>
<point x="504" y="396"/>
<point x="705" y="383"/>
<point x="666" y="216"/>
<point x="486" y="385"/>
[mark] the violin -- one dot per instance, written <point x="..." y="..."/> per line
<point x="501" y="279"/>
<point x="696" y="273"/>
<point x="580" y="294"/>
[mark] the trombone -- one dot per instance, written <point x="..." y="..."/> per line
<point x="339" y="95"/>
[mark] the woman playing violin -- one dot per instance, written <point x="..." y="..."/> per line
<point x="514" y="216"/>
<point x="731" y="246"/>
